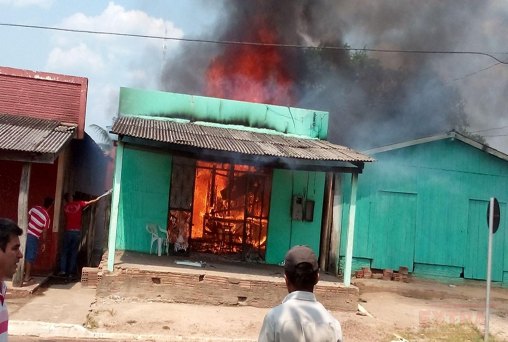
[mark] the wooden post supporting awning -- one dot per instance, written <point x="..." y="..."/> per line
<point x="24" y="184"/>
<point x="351" y="230"/>
<point x="115" y="201"/>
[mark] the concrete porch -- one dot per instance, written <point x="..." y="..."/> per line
<point x="209" y="279"/>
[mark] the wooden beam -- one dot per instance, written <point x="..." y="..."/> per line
<point x="336" y="225"/>
<point x="324" y="252"/>
<point x="60" y="177"/>
<point x="24" y="185"/>
<point x="115" y="202"/>
<point x="351" y="231"/>
<point x="28" y="157"/>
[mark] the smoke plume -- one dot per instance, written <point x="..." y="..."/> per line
<point x="373" y="98"/>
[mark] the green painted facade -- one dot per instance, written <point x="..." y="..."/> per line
<point x="146" y="172"/>
<point x="283" y="232"/>
<point x="158" y="104"/>
<point x="144" y="196"/>
<point x="424" y="207"/>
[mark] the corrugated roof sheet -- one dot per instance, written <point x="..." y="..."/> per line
<point x="28" y="134"/>
<point x="234" y="140"/>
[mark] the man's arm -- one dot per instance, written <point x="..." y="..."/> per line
<point x="87" y="203"/>
<point x="47" y="226"/>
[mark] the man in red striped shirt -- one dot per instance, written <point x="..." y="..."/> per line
<point x="38" y="223"/>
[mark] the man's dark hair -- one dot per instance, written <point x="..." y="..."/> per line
<point x="8" y="228"/>
<point x="303" y="277"/>
<point x="67" y="196"/>
<point x="48" y="202"/>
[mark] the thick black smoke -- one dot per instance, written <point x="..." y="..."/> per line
<point x="373" y="98"/>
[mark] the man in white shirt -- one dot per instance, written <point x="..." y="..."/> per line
<point x="300" y="317"/>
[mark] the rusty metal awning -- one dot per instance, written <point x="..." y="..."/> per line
<point x="24" y="138"/>
<point x="239" y="146"/>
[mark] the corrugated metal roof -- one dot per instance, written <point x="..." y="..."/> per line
<point x="234" y="140"/>
<point x="44" y="95"/>
<point x="28" y="134"/>
<point x="450" y="135"/>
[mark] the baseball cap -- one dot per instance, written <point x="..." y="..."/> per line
<point x="299" y="255"/>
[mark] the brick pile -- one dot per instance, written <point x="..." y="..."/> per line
<point x="387" y="274"/>
<point x="90" y="276"/>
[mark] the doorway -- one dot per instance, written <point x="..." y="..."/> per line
<point x="230" y="209"/>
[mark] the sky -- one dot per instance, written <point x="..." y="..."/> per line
<point x="111" y="62"/>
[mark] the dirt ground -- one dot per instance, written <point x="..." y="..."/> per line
<point x="392" y="309"/>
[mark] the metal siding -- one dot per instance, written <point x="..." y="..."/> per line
<point x="309" y="123"/>
<point x="445" y="175"/>
<point x="231" y="140"/>
<point x="477" y="243"/>
<point x="29" y="134"/>
<point x="283" y="232"/>
<point x="310" y="185"/>
<point x="144" y="197"/>
<point x="393" y="231"/>
<point x="279" y="221"/>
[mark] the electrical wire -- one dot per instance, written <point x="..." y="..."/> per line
<point x="231" y="42"/>
<point x="475" y="72"/>
<point x="489" y="129"/>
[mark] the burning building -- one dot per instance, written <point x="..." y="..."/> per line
<point x="221" y="176"/>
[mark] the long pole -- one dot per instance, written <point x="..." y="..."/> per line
<point x="350" y="231"/>
<point x="489" y="266"/>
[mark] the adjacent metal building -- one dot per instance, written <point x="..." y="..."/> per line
<point x="423" y="205"/>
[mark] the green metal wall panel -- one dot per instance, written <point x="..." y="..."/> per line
<point x="391" y="241"/>
<point x="356" y="264"/>
<point x="445" y="176"/>
<point x="440" y="236"/>
<point x="477" y="243"/>
<point x="144" y="196"/>
<point x="310" y="123"/>
<point x="437" y="271"/>
<point x="279" y="222"/>
<point x="389" y="178"/>
<point x="311" y="185"/>
<point x="283" y="232"/>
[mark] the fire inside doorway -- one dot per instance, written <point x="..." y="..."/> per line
<point x="228" y="213"/>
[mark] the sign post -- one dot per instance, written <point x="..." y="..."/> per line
<point x="493" y="216"/>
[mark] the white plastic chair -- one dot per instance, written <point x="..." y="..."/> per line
<point x="153" y="229"/>
<point x="165" y="238"/>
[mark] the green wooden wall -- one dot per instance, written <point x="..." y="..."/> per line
<point x="146" y="173"/>
<point x="144" y="199"/>
<point x="424" y="206"/>
<point x="144" y="196"/>
<point x="248" y="115"/>
<point x="283" y="232"/>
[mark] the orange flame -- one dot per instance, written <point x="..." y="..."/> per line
<point x="228" y="210"/>
<point x="251" y="72"/>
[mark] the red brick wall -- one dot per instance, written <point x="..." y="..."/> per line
<point x="44" y="95"/>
